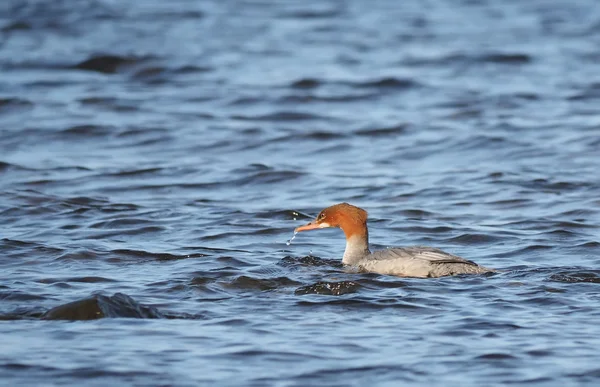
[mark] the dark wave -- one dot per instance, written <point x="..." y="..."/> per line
<point x="16" y="295"/>
<point x="329" y="288"/>
<point x="248" y="283"/>
<point x="137" y="254"/>
<point x="15" y="245"/>
<point x="383" y="131"/>
<point x="4" y="166"/>
<point x="121" y="223"/>
<point x="99" y="306"/>
<point x="280" y="116"/>
<point x="416" y="213"/>
<point x="12" y="104"/>
<point x="313" y="14"/>
<point x="386" y="83"/>
<point x="591" y="276"/>
<point x="315" y="99"/>
<point x="461" y="59"/>
<point x="506" y="58"/>
<point x="16" y="26"/>
<point x="306" y="83"/>
<point x="114" y="104"/>
<point x="163" y="74"/>
<point x="107" y="64"/>
<point x="589" y="92"/>
<point x="365" y="304"/>
<point x="308" y="260"/>
<point x="470" y="239"/>
<point x="76" y="279"/>
<point x="88" y="130"/>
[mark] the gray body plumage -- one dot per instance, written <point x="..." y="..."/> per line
<point x="416" y="261"/>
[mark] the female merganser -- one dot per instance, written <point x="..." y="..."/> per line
<point x="414" y="261"/>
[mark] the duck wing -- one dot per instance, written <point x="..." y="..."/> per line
<point x="423" y="253"/>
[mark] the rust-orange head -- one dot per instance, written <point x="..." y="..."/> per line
<point x="351" y="219"/>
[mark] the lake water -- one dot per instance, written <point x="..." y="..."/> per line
<point x="156" y="156"/>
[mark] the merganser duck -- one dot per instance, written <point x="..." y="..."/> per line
<point x="413" y="261"/>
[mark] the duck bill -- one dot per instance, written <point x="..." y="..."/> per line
<point x="308" y="226"/>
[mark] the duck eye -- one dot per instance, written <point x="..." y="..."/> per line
<point x="322" y="216"/>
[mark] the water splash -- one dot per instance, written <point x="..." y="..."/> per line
<point x="289" y="242"/>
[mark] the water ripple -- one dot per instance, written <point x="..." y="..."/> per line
<point x="156" y="157"/>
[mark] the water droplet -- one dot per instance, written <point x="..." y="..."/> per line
<point x="289" y="242"/>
